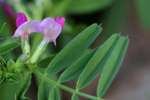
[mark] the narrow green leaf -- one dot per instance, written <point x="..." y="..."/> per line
<point x="94" y="65"/>
<point x="25" y="86"/>
<point x="76" y="68"/>
<point x="54" y="94"/>
<point x="43" y="90"/>
<point x="74" y="49"/>
<point x="44" y="87"/>
<point x="8" y="46"/>
<point x="112" y="66"/>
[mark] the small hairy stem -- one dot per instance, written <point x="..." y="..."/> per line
<point x="68" y="89"/>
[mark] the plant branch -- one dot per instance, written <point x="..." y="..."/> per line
<point x="68" y="89"/>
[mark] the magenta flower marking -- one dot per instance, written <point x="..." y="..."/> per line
<point x="21" y="18"/>
<point x="60" y="20"/>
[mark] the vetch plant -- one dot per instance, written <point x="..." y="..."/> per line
<point x="75" y="62"/>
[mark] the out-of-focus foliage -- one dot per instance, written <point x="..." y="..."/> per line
<point x="88" y="6"/>
<point x="142" y="7"/>
<point x="116" y="18"/>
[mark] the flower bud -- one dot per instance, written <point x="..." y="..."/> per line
<point x="21" y="18"/>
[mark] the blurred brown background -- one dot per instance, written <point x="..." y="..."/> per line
<point x="133" y="80"/>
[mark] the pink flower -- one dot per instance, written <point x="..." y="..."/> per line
<point x="52" y="28"/>
<point x="21" y="18"/>
<point x="49" y="27"/>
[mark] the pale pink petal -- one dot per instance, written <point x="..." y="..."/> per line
<point x="27" y="28"/>
<point x="47" y="22"/>
<point x="51" y="29"/>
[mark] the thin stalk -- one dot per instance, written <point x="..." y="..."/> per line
<point x="40" y="49"/>
<point x="68" y="89"/>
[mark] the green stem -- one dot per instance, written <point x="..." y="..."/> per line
<point x="25" y="47"/>
<point x="38" y="52"/>
<point x="68" y="89"/>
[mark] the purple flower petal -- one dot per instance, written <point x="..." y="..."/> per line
<point x="47" y="22"/>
